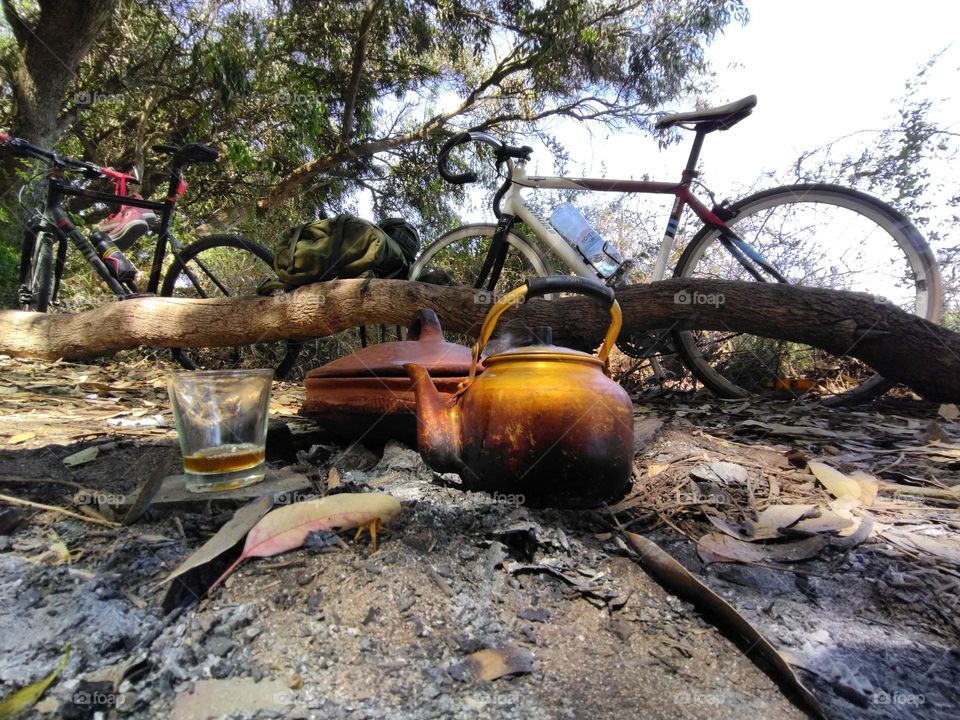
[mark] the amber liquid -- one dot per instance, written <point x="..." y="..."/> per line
<point x="224" y="458"/>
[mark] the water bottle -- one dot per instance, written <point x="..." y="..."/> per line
<point x="603" y="256"/>
<point x="120" y="268"/>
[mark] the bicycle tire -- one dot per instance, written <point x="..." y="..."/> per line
<point x="468" y="246"/>
<point x="789" y="226"/>
<point x="38" y="277"/>
<point x="240" y="272"/>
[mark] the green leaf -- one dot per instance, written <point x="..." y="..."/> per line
<point x="25" y="698"/>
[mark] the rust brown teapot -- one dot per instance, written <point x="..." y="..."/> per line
<point x="542" y="421"/>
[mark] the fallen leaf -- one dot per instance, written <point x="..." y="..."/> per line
<point x="682" y="583"/>
<point x="21" y="437"/>
<point x="869" y="486"/>
<point x="933" y="433"/>
<point x="729" y="528"/>
<point x="775" y="517"/>
<point x="25" y="698"/>
<point x="721" y="472"/>
<point x="949" y="411"/>
<point x="826" y="522"/>
<point x="843" y="507"/>
<point x="654" y="469"/>
<point x="715" y="547"/>
<point x="333" y="479"/>
<point x="151" y="486"/>
<point x="287" y="527"/>
<point x="226" y="537"/>
<point x="836" y="483"/>
<point x="494" y="663"/>
<point x="79" y="458"/>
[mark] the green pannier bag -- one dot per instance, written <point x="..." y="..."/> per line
<point x="341" y="247"/>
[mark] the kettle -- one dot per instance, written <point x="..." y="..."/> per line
<point x="542" y="423"/>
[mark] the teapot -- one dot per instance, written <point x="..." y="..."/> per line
<point x="543" y="422"/>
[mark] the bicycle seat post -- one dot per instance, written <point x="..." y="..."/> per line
<point x="690" y="171"/>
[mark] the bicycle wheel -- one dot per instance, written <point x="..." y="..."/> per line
<point x="817" y="235"/>
<point x="224" y="266"/>
<point x="457" y="257"/>
<point x="36" y="274"/>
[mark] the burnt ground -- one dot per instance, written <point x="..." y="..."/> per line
<point x="337" y="631"/>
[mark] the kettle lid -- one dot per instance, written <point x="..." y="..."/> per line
<point x="424" y="346"/>
<point x="542" y="349"/>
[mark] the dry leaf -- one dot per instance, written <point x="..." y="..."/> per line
<point x="949" y="411"/>
<point x="682" y="582"/>
<point x="843" y="507"/>
<point x="226" y="537"/>
<point x="836" y="483"/>
<point x="715" y="547"/>
<point x="826" y="522"/>
<point x="494" y="663"/>
<point x="21" y="437"/>
<point x="775" y="517"/>
<point x="333" y="479"/>
<point x="79" y="458"/>
<point x="869" y="487"/>
<point x="654" y="469"/>
<point x="286" y="528"/>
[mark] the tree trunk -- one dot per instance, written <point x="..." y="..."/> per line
<point x="49" y="51"/>
<point x="902" y="347"/>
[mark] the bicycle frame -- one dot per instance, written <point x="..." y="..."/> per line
<point x="514" y="204"/>
<point x="57" y="221"/>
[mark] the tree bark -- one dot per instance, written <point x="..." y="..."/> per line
<point x="902" y="347"/>
<point x="49" y="50"/>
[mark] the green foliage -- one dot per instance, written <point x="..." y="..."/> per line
<point x="311" y="103"/>
<point x="908" y="164"/>
<point x="354" y="89"/>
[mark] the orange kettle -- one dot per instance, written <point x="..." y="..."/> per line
<point x="542" y="423"/>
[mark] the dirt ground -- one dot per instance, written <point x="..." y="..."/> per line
<point x="334" y="630"/>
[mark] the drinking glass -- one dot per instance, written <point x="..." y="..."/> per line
<point x="221" y="418"/>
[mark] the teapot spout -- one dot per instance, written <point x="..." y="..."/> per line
<point x="438" y="423"/>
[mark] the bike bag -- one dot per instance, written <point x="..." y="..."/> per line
<point x="345" y="246"/>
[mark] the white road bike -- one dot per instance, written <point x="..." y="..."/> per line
<point x="812" y="234"/>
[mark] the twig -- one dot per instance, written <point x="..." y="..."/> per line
<point x="54" y="508"/>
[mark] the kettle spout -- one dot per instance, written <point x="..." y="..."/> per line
<point x="438" y="423"/>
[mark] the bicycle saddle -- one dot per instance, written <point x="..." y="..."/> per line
<point x="718" y="118"/>
<point x="189" y="153"/>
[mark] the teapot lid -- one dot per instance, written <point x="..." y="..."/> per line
<point x="424" y="346"/>
<point x="543" y="353"/>
<point x="542" y="350"/>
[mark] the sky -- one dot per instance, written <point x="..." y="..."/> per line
<point x="820" y="69"/>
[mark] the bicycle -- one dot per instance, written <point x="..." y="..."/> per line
<point x="217" y="265"/>
<point x="812" y="234"/>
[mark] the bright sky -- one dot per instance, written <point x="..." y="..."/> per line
<point x="821" y="69"/>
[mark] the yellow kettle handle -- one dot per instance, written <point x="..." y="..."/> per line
<point x="535" y="287"/>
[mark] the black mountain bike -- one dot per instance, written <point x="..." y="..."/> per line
<point x="214" y="266"/>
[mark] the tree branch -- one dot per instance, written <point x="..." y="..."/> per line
<point x="356" y="72"/>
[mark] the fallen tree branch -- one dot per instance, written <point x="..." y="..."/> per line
<point x="901" y="346"/>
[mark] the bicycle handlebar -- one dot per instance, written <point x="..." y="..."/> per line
<point x="22" y="148"/>
<point x="502" y="152"/>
